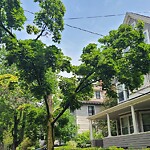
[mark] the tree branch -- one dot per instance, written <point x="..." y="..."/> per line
<point x="68" y="103"/>
<point x="46" y="103"/>
<point x="41" y="33"/>
<point x="87" y="85"/>
<point x="9" y="32"/>
<point x="61" y="113"/>
<point x="83" y="80"/>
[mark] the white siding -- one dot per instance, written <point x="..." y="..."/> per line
<point x="82" y="114"/>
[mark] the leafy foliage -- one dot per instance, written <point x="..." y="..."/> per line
<point x="83" y="139"/>
<point x="50" y="16"/>
<point x="12" y="15"/>
<point x="65" y="128"/>
<point x="111" y="62"/>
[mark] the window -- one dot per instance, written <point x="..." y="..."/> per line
<point x="147" y="78"/>
<point x="97" y="94"/>
<point x="146" y="34"/>
<point x="126" y="124"/>
<point x="133" y="24"/>
<point x="146" y="121"/>
<point x="123" y="93"/>
<point x="91" y="110"/>
<point x="127" y="49"/>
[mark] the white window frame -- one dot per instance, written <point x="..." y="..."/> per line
<point x="95" y="94"/>
<point x="140" y="116"/>
<point x="133" y="24"/>
<point x="147" y="36"/>
<point x="124" y="90"/>
<point x="88" y="109"/>
<point x="124" y="116"/>
<point x="127" y="49"/>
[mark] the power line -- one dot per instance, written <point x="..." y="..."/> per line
<point x="89" y="17"/>
<point x="92" y="17"/>
<point x="101" y="16"/>
<point x="83" y="30"/>
<point x="29" y="12"/>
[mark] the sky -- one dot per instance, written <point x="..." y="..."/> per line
<point x="74" y="40"/>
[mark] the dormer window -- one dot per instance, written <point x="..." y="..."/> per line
<point x="97" y="95"/>
<point x="146" y="39"/>
<point x="133" y="24"/>
<point x="123" y="93"/>
<point x="127" y="49"/>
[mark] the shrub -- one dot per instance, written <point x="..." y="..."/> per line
<point x="71" y="144"/>
<point x="83" y="139"/>
<point x="115" y="148"/>
<point x="26" y="143"/>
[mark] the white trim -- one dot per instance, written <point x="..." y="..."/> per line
<point x="108" y="125"/>
<point x="91" y="130"/>
<point x="125" y="116"/>
<point x="133" y="24"/>
<point x="140" y="117"/>
<point x="95" y="94"/>
<point x="147" y="36"/>
<point x="134" y="120"/>
<point x="117" y="129"/>
<point x="88" y="110"/>
<point x="136" y="100"/>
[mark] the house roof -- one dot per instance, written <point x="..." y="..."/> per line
<point x="142" y="101"/>
<point x="135" y="16"/>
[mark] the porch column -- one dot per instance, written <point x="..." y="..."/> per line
<point x="134" y="119"/>
<point x="108" y="125"/>
<point x="117" y="130"/>
<point x="91" y="130"/>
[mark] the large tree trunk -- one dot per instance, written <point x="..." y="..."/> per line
<point x="50" y="135"/>
<point x="50" y="126"/>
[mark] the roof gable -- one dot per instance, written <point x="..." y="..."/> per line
<point x="129" y="15"/>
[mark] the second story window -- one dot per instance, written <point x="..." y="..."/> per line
<point x="97" y="94"/>
<point x="146" y="39"/>
<point x="123" y="93"/>
<point x="91" y="110"/>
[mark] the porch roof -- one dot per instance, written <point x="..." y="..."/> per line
<point x="140" y="102"/>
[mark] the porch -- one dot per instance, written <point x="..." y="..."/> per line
<point x="140" y="140"/>
<point x="132" y="123"/>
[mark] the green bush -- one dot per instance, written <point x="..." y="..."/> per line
<point x="68" y="148"/>
<point x="115" y="148"/>
<point x="71" y="144"/>
<point x="83" y="139"/>
<point x="25" y="145"/>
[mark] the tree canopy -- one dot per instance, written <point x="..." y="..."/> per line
<point x="38" y="65"/>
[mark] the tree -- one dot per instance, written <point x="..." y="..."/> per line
<point x="39" y="64"/>
<point x="109" y="62"/>
<point x="65" y="128"/>
<point x="48" y="19"/>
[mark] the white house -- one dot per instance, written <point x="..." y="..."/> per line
<point x="132" y="114"/>
<point x="89" y="108"/>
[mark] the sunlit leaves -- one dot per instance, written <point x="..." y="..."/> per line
<point x="12" y="14"/>
<point x="110" y="61"/>
<point x="51" y="16"/>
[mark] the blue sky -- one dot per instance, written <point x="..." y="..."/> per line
<point x="73" y="40"/>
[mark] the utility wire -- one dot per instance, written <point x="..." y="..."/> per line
<point x="83" y="30"/>
<point x="89" y="17"/>
<point x="92" y="17"/>
<point x="29" y="11"/>
<point x="102" y="16"/>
